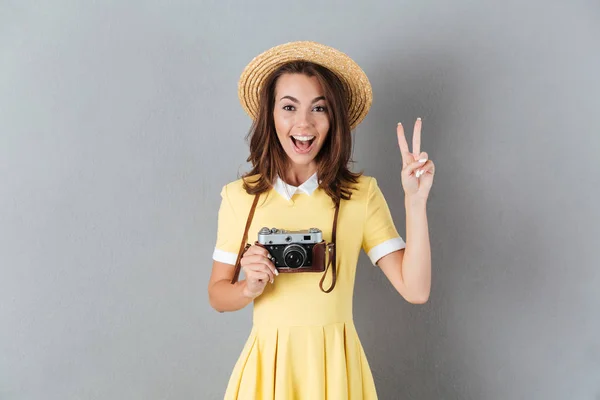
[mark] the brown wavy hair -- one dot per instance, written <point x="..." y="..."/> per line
<point x="267" y="156"/>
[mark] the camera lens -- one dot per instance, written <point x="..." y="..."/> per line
<point x="294" y="256"/>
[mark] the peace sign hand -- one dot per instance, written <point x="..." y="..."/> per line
<point x="417" y="170"/>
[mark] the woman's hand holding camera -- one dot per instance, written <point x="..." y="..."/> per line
<point x="259" y="269"/>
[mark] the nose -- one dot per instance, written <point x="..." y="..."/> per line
<point x="304" y="119"/>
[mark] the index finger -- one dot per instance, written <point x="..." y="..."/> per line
<point x="404" y="151"/>
<point x="417" y="137"/>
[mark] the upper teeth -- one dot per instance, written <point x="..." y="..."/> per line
<point x="304" y="138"/>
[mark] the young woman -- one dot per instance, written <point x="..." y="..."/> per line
<point x="305" y="98"/>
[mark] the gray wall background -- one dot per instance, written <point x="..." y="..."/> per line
<point x="119" y="123"/>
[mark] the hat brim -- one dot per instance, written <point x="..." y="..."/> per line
<point x="354" y="79"/>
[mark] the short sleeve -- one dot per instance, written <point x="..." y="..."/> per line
<point x="380" y="236"/>
<point x="228" y="238"/>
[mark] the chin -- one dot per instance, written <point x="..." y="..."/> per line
<point x="301" y="159"/>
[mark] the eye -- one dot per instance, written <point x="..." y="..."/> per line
<point x="288" y="108"/>
<point x="320" y="108"/>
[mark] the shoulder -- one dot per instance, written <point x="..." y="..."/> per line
<point x="364" y="183"/>
<point x="234" y="188"/>
<point x="363" y="187"/>
<point x="368" y="192"/>
<point x="235" y="192"/>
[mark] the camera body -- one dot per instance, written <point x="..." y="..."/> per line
<point x="293" y="251"/>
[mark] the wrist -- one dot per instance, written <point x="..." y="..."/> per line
<point x="246" y="292"/>
<point x="414" y="201"/>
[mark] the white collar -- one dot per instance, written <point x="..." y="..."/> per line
<point x="287" y="191"/>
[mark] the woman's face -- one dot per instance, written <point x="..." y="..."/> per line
<point x="301" y="118"/>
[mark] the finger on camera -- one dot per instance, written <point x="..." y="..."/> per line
<point x="261" y="261"/>
<point x="260" y="251"/>
<point x="258" y="266"/>
<point x="254" y="259"/>
<point x="268" y="263"/>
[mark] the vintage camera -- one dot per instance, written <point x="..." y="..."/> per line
<point x="293" y="251"/>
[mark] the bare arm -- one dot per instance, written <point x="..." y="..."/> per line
<point x="259" y="270"/>
<point x="409" y="269"/>
<point x="224" y="296"/>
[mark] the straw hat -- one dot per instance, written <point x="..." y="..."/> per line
<point x="354" y="79"/>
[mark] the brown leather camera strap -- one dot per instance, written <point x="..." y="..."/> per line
<point x="331" y="254"/>
<point x="244" y="246"/>
<point x="331" y="250"/>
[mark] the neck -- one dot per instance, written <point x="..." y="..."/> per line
<point x="298" y="174"/>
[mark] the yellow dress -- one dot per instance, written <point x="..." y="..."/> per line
<point x="303" y="343"/>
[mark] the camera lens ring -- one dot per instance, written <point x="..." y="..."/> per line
<point x="294" y="248"/>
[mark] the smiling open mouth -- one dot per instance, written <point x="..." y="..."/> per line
<point x="303" y="144"/>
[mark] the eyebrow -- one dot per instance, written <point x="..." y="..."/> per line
<point x="295" y="100"/>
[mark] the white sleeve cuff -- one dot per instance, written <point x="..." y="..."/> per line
<point x="385" y="248"/>
<point x="224" y="256"/>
